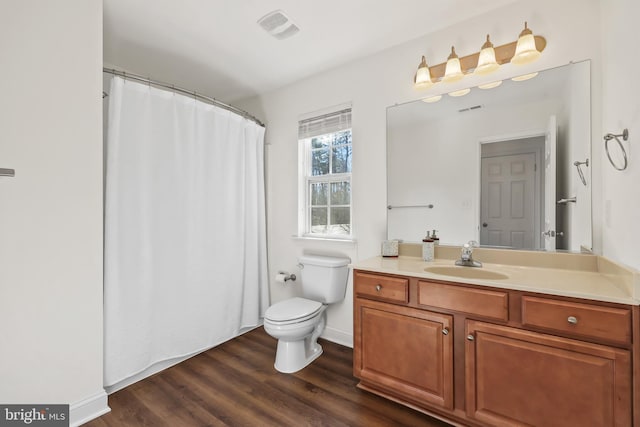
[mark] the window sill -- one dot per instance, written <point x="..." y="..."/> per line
<point x="349" y="240"/>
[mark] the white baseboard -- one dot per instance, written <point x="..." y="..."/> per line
<point x="88" y="409"/>
<point x="337" y="336"/>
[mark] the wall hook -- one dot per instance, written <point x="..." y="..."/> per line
<point x="577" y="164"/>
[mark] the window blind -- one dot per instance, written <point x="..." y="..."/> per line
<point x="326" y="123"/>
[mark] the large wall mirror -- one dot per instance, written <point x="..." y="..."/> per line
<point x="508" y="166"/>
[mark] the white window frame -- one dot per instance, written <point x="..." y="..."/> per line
<point x="306" y="179"/>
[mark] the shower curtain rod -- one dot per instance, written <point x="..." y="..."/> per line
<point x="205" y="98"/>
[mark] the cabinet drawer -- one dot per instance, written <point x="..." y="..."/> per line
<point x="481" y="302"/>
<point x="382" y="287"/>
<point x="583" y="320"/>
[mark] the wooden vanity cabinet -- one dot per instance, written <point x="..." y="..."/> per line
<point x="520" y="358"/>
<point x="515" y="377"/>
<point x="404" y="352"/>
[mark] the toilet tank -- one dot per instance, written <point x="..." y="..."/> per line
<point x="324" y="278"/>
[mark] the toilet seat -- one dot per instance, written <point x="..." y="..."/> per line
<point x="293" y="310"/>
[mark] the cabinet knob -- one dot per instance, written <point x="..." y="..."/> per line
<point x="445" y="331"/>
<point x="378" y="288"/>
<point x="573" y="320"/>
<point x="470" y="337"/>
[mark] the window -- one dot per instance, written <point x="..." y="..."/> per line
<point x="325" y="175"/>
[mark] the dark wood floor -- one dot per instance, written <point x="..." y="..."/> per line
<point x="235" y="384"/>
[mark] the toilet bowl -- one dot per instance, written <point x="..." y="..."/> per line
<point x="298" y="322"/>
<point x="297" y="334"/>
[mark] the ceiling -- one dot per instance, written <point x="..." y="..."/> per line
<point x="216" y="47"/>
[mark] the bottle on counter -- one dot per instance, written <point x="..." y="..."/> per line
<point x="427" y="248"/>
<point x="434" y="237"/>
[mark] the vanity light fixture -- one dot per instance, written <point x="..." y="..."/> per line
<point x="432" y="99"/>
<point x="486" y="59"/>
<point x="490" y="85"/>
<point x="524" y="77"/>
<point x="526" y="50"/>
<point x="422" y="78"/>
<point x="461" y="92"/>
<point x="453" y="72"/>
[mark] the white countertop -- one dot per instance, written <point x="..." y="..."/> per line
<point x="591" y="285"/>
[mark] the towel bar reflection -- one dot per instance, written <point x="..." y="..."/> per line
<point x="429" y="206"/>
<point x="7" y="172"/>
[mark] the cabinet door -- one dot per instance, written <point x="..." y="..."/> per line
<point x="406" y="351"/>
<point x="516" y="377"/>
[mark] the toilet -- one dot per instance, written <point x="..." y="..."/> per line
<point x="298" y="322"/>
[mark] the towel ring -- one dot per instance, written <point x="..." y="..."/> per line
<point x="608" y="137"/>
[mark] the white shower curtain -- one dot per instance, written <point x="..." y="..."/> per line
<point x="185" y="239"/>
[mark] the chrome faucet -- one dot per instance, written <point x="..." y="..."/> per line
<point x="466" y="257"/>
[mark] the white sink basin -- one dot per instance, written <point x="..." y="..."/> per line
<point x="466" y="272"/>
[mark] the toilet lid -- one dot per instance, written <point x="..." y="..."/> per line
<point x="292" y="309"/>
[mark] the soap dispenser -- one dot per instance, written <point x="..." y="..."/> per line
<point x="427" y="248"/>
<point x="436" y="239"/>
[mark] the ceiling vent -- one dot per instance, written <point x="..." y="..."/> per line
<point x="278" y="25"/>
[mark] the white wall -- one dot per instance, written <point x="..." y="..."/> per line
<point x="51" y="212"/>
<point x="572" y="31"/>
<point x="620" y="109"/>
